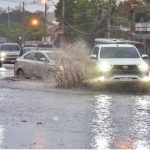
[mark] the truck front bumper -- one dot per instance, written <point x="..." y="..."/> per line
<point x="124" y="79"/>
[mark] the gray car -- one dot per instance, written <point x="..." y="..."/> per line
<point x="36" y="63"/>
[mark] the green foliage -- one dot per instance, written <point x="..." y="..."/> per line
<point x="87" y="19"/>
<point x="84" y="18"/>
<point x="143" y="13"/>
<point x="11" y="33"/>
<point x="15" y="29"/>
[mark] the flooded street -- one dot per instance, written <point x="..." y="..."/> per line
<point x="6" y="71"/>
<point x="121" y="121"/>
<point x="33" y="116"/>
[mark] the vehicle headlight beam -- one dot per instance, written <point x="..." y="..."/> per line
<point x="143" y="67"/>
<point x="105" y="67"/>
<point x="2" y="54"/>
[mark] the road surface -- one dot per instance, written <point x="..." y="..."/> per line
<point x="35" y="116"/>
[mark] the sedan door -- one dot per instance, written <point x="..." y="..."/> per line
<point x="29" y="64"/>
<point x="42" y="64"/>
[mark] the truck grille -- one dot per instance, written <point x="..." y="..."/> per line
<point x="125" y="70"/>
<point x="10" y="58"/>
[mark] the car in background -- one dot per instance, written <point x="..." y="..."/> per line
<point x="28" y="49"/>
<point x="36" y="63"/>
<point x="8" y="53"/>
<point x="120" y="63"/>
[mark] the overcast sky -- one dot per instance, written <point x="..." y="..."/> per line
<point x="31" y="7"/>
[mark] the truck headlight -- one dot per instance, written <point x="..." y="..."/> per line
<point x="143" y="67"/>
<point x="3" y="54"/>
<point x="104" y="67"/>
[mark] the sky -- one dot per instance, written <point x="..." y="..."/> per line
<point x="30" y="7"/>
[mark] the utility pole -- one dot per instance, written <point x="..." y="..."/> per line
<point x="132" y="23"/>
<point x="45" y="20"/>
<point x="8" y="9"/>
<point x="109" y="19"/>
<point x="23" y="26"/>
<point x="63" y="21"/>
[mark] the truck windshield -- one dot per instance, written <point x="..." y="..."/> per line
<point x="119" y="52"/>
<point x="10" y="47"/>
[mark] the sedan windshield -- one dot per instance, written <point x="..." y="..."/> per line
<point x="119" y="52"/>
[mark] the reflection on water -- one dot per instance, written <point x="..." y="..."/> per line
<point x="5" y="73"/>
<point x="141" y="122"/>
<point x="39" y="139"/>
<point x="101" y="123"/>
<point x="1" y="134"/>
<point x="121" y="122"/>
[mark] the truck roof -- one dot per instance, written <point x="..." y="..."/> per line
<point x="113" y="41"/>
<point x="115" y="45"/>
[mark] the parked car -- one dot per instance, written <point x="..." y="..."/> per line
<point x="9" y="52"/>
<point x="36" y="63"/>
<point x="120" y="62"/>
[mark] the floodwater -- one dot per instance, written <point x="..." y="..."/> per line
<point x="6" y="71"/>
<point x="121" y="121"/>
<point x="33" y="116"/>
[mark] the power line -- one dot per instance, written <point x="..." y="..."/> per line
<point x="51" y="3"/>
<point x="82" y="32"/>
<point x="84" y="24"/>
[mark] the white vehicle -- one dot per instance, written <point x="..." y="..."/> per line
<point x="8" y="53"/>
<point x="36" y="63"/>
<point x="139" y="45"/>
<point x="120" y="62"/>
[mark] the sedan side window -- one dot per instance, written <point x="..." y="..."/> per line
<point x="30" y="56"/>
<point x="39" y="56"/>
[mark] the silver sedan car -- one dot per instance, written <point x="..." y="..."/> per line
<point x="36" y="63"/>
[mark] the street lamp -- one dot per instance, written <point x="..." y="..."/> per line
<point x="34" y="22"/>
<point x="44" y="1"/>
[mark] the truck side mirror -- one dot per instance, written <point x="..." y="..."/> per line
<point x="93" y="57"/>
<point x="144" y="56"/>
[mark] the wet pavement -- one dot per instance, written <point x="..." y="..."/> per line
<point x="6" y="71"/>
<point x="33" y="117"/>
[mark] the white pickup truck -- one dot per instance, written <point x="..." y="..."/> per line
<point x="120" y="62"/>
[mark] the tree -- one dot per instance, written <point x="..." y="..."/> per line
<point x="84" y="18"/>
<point x="143" y="13"/>
<point x="14" y="31"/>
<point x="87" y="19"/>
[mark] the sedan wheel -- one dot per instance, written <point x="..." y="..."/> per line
<point x="20" y="73"/>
